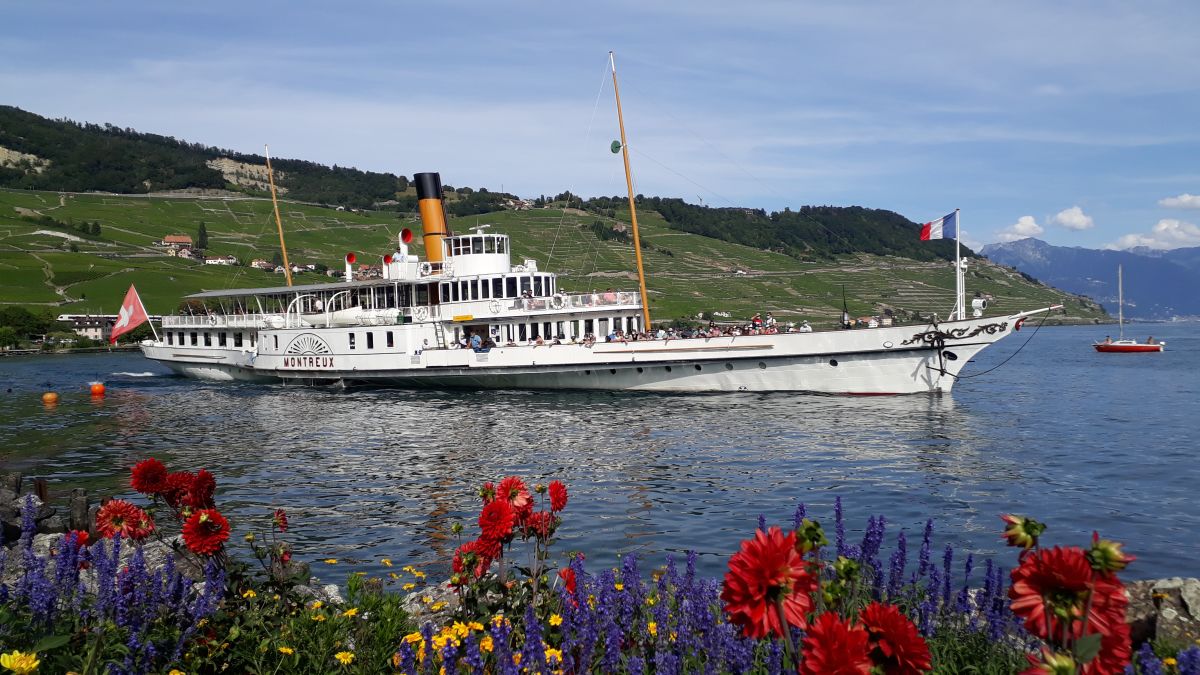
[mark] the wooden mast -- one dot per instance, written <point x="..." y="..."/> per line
<point x="287" y="268"/>
<point x="1120" y="303"/>
<point x="637" y="242"/>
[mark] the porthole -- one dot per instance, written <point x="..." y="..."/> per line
<point x="668" y="369"/>
<point x="833" y="362"/>
<point x="612" y="370"/>
<point x="762" y="366"/>
<point x="641" y="370"/>
<point x="728" y="366"/>
<point x="587" y="372"/>
<point x="698" y="367"/>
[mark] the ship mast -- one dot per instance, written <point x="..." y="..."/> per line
<point x="637" y="242"/>
<point x="1120" y="303"/>
<point x="287" y="268"/>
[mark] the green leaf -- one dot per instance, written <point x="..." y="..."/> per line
<point x="1087" y="647"/>
<point x="51" y="642"/>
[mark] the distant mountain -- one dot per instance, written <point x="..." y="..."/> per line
<point x="1158" y="284"/>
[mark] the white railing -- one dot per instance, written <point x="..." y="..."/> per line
<point x="218" y="320"/>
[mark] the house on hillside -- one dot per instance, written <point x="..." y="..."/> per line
<point x="175" y="241"/>
<point x="221" y="260"/>
<point x="518" y="204"/>
<point x="185" y="252"/>
<point x="264" y="265"/>
<point x="368" y="272"/>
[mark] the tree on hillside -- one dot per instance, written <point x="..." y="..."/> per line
<point x="96" y="228"/>
<point x="202" y="237"/>
<point x="8" y="337"/>
<point x="277" y="259"/>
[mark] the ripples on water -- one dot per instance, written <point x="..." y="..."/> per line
<point x="1079" y="439"/>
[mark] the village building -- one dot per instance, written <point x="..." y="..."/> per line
<point x="176" y="241"/>
<point x="221" y="260"/>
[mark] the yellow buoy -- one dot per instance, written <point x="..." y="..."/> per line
<point x="50" y="398"/>
<point x="97" y="389"/>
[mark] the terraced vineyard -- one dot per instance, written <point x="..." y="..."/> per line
<point x="687" y="273"/>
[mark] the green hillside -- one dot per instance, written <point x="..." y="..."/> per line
<point x="687" y="273"/>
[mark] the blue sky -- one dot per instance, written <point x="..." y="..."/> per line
<point x="1071" y="121"/>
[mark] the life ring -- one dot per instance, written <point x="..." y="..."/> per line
<point x="421" y="314"/>
<point x="495" y="306"/>
<point x="425" y="268"/>
<point x="212" y="320"/>
<point x="558" y="301"/>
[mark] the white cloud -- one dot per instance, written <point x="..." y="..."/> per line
<point x="1073" y="219"/>
<point x="1168" y="233"/>
<point x="1025" y="227"/>
<point x="1183" y="201"/>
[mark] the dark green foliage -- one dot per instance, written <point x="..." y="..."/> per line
<point x="474" y="203"/>
<point x="106" y="158"/>
<point x="26" y="323"/>
<point x="202" y="237"/>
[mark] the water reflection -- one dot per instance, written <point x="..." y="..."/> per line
<point x="373" y="473"/>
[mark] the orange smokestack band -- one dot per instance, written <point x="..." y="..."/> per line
<point x="433" y="214"/>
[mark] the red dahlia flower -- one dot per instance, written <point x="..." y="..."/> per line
<point x="1057" y="582"/>
<point x="513" y="491"/>
<point x="1106" y="556"/>
<point x="120" y="517"/>
<point x="474" y="557"/>
<point x="835" y="647"/>
<point x="558" y="496"/>
<point x="178" y="485"/>
<point x="896" y="646"/>
<point x="205" y="531"/>
<point x="81" y="537"/>
<point x="202" y="490"/>
<point x="767" y="570"/>
<point x="280" y="520"/>
<point x="496" y="521"/>
<point x="149" y="476"/>
<point x="541" y="524"/>
<point x="488" y="492"/>
<point x="568" y="576"/>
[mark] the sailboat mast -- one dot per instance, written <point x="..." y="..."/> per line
<point x="637" y="242"/>
<point x="1121" y="302"/>
<point x="287" y="268"/>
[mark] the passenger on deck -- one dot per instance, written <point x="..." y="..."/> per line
<point x="476" y="343"/>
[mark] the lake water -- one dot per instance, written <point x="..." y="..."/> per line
<point x="1078" y="439"/>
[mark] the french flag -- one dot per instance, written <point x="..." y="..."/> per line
<point x="945" y="227"/>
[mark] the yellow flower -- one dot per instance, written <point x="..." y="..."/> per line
<point x="287" y="651"/>
<point x="316" y="604"/>
<point x="175" y="671"/>
<point x="426" y="599"/>
<point x="619" y="586"/>
<point x="20" y="662"/>
<point x="393" y="575"/>
<point x="517" y="658"/>
<point x="498" y="619"/>
<point x="1170" y="661"/>
<point x="673" y="636"/>
<point x="418" y="574"/>
<point x="555" y="620"/>
<point x="275" y="597"/>
<point x="413" y="637"/>
<point x="652" y="628"/>
<point x="331" y="561"/>
<point x="318" y="617"/>
<point x="249" y="594"/>
<point x="345" y="658"/>
<point x="353" y="611"/>
<point x="409" y="568"/>
<point x="553" y="656"/>
<point x="592" y="602"/>
<point x="460" y="629"/>
<point x="385" y="562"/>
<point x="650" y="601"/>
<point x="475" y="625"/>
<point x="438" y="606"/>
<point x="409" y="586"/>
<point x="485" y="644"/>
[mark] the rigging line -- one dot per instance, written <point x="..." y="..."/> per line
<point x="586" y="141"/>
<point x="1010" y="356"/>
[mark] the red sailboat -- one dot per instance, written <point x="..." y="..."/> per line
<point x="1121" y="344"/>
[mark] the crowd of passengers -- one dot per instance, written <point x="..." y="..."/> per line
<point x="758" y="325"/>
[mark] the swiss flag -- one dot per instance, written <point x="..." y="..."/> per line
<point x="132" y="315"/>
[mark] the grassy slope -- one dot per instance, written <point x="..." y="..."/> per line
<point x="697" y="277"/>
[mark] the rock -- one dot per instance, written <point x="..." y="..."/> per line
<point x="53" y="524"/>
<point x="1190" y="593"/>
<point x="328" y="594"/>
<point x="1166" y="610"/>
<point x="1141" y="613"/>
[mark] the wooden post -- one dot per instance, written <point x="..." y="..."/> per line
<point x="91" y="522"/>
<point x="42" y="489"/>
<point x="79" y="510"/>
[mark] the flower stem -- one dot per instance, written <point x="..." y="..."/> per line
<point x="789" y="647"/>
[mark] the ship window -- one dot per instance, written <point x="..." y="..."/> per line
<point x="489" y="245"/>
<point x="522" y="332"/>
<point x="602" y="328"/>
<point x="351" y="336"/>
<point x="237" y="339"/>
<point x="533" y="331"/>
<point x="510" y="287"/>
<point x="501" y="245"/>
<point x="589" y="327"/>
<point x="254" y="340"/>
<point x="537" y="286"/>
<point x="454" y="292"/>
<point x="370" y="340"/>
<point x="526" y="285"/>
<point x="207" y="339"/>
<point x="276" y="338"/>
<point x="391" y="342"/>
<point x="179" y="337"/>
<point x="423" y="294"/>
<point x="477" y="245"/>
<point x="497" y="287"/>
<point x="222" y="337"/>
<point x="194" y="338"/>
<point x="170" y="338"/>
<point x="484" y="287"/>
<point x="560" y="330"/>
<point x="546" y="330"/>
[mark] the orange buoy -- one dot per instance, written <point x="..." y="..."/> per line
<point x="97" y="389"/>
<point x="49" y="398"/>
